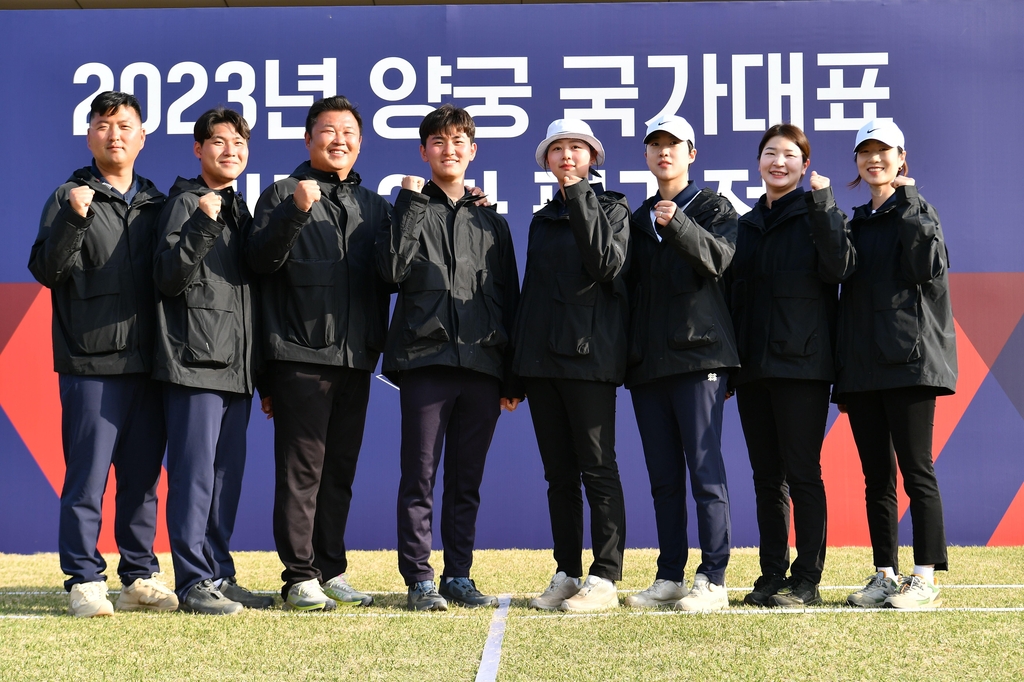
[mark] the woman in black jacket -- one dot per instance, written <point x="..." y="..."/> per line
<point x="896" y="353"/>
<point x="570" y="349"/>
<point x="792" y="251"/>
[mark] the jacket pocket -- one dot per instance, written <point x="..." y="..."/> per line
<point x="689" y="324"/>
<point x="493" y="332"/>
<point x="572" y="315"/>
<point x="897" y="327"/>
<point x="96" y="322"/>
<point x="312" y="315"/>
<point x="794" y="319"/>
<point x="210" y="320"/>
<point x="425" y="293"/>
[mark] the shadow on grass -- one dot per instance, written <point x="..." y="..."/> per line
<point x="33" y="600"/>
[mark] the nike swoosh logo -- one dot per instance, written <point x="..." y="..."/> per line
<point x="872" y="130"/>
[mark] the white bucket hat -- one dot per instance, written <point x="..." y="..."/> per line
<point x="886" y="132"/>
<point x="569" y="128"/>
<point x="673" y="125"/>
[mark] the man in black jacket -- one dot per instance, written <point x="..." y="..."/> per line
<point x="94" y="251"/>
<point x="324" y="321"/>
<point x="448" y="347"/>
<point x="682" y="348"/>
<point x="204" y="352"/>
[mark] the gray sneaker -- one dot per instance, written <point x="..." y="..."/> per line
<point x="874" y="594"/>
<point x="338" y="589"/>
<point x="230" y="588"/>
<point x="423" y="596"/>
<point x="206" y="599"/>
<point x="661" y="593"/>
<point x="308" y="596"/>
<point x="462" y="591"/>
<point x="561" y="588"/>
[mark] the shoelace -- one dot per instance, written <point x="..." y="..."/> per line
<point x="700" y="588"/>
<point x="909" y="583"/>
<point x="877" y="582"/>
<point x="91" y="591"/>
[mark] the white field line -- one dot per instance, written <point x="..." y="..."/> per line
<point x="491" y="657"/>
<point x="768" y="613"/>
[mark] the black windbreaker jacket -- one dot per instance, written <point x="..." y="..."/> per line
<point x="789" y="262"/>
<point x="679" y="318"/>
<point x="895" y="318"/>
<point x="323" y="301"/>
<point x="458" y="285"/>
<point x="574" y="309"/>
<point x="205" y="303"/>
<point x="99" y="270"/>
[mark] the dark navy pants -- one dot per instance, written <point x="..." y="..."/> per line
<point x="205" y="463"/>
<point x="680" y="422"/>
<point x="119" y="421"/>
<point x="459" y="408"/>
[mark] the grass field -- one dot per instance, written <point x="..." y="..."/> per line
<point x="977" y="634"/>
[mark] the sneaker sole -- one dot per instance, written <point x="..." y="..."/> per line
<point x="184" y="608"/>
<point x="98" y="614"/>
<point x="679" y="606"/>
<point x="431" y="607"/>
<point x="568" y="608"/>
<point x="794" y="604"/>
<point x="365" y="601"/>
<point x="650" y="605"/>
<point x="288" y="606"/>
<point x="543" y="607"/>
<point x="865" y="605"/>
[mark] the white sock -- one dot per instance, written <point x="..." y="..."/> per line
<point x="927" y="573"/>
<point x="888" y="571"/>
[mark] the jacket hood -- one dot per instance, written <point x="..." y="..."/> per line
<point x="147" y="190"/>
<point x="187" y="185"/>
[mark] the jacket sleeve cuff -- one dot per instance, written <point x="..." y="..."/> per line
<point x="71" y="217"/>
<point x="578" y="190"/>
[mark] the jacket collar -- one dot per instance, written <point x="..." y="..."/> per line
<point x="305" y="171"/>
<point x="783" y="208"/>
<point x="557" y="207"/>
<point x="147" y="190"/>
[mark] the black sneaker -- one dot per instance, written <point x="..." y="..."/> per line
<point x="462" y="591"/>
<point x="423" y="596"/>
<point x="206" y="599"/>
<point x="764" y="588"/>
<point x="797" y="592"/>
<point x="230" y="588"/>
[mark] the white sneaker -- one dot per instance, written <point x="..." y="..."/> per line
<point x="705" y="596"/>
<point x="308" y="596"/>
<point x="90" y="599"/>
<point x="596" y="594"/>
<point x="661" y="593"/>
<point x="874" y="594"/>
<point x="914" y="593"/>
<point x="561" y="588"/>
<point x="146" y="594"/>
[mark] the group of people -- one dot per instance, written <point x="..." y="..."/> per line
<point x="169" y="311"/>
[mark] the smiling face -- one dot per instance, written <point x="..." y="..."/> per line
<point x="334" y="142"/>
<point x="782" y="165"/>
<point x="569" y="156"/>
<point x="878" y="164"/>
<point x="222" y="156"/>
<point x="668" y="157"/>
<point x="115" y="139"/>
<point x="448" y="153"/>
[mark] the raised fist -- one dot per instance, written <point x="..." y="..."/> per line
<point x="663" y="211"/>
<point x="819" y="181"/>
<point x="210" y="204"/>
<point x="307" y="192"/>
<point x="413" y="182"/>
<point x="80" y="199"/>
<point x="901" y="180"/>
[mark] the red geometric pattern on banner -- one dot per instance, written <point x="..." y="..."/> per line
<point x="30" y="396"/>
<point x="14" y="301"/>
<point x="840" y="463"/>
<point x="1010" y="531"/>
<point x="988" y="305"/>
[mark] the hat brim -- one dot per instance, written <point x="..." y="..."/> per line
<point x="542" y="148"/>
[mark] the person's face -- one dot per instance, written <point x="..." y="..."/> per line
<point x="569" y="157"/>
<point x="448" y="154"/>
<point x="116" y="139"/>
<point x="668" y="157"/>
<point x="222" y="156"/>
<point x="781" y="165"/>
<point x="878" y="163"/>
<point x="334" y="142"/>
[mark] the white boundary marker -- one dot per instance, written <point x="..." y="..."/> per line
<point x="491" y="657"/>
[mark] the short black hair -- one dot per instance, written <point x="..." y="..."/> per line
<point x="106" y="103"/>
<point x="447" y="118"/>
<point x="337" y="103"/>
<point x="203" y="129"/>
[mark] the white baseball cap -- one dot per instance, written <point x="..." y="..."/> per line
<point x="883" y="130"/>
<point x="673" y="125"/>
<point x="569" y="129"/>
